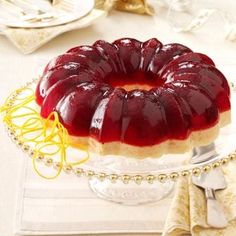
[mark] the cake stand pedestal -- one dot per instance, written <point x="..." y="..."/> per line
<point x="126" y="185"/>
<point x="131" y="194"/>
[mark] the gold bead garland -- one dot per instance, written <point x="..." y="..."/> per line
<point x="48" y="161"/>
<point x="125" y="179"/>
<point x="185" y="173"/>
<point x="206" y="168"/>
<point x="174" y="176"/>
<point x="196" y="171"/>
<point x="150" y="178"/>
<point x="224" y="161"/>
<point x="90" y="173"/>
<point x="215" y="165"/>
<point x="101" y="176"/>
<point x="78" y="171"/>
<point x="112" y="177"/>
<point x="138" y="179"/>
<point x="56" y="165"/>
<point x="67" y="169"/>
<point x="162" y="177"/>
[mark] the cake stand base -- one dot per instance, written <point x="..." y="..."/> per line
<point x="134" y="193"/>
<point x="131" y="194"/>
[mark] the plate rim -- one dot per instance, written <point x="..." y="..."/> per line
<point x="90" y="5"/>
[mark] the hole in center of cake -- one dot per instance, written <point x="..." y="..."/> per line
<point x="137" y="80"/>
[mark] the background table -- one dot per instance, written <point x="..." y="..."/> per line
<point x="16" y="69"/>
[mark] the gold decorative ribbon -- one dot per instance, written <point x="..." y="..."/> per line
<point x="134" y="6"/>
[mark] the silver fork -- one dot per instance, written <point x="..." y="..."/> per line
<point x="41" y="14"/>
<point x="8" y="5"/>
<point x="25" y="16"/>
<point x="66" y="5"/>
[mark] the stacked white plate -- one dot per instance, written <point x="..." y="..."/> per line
<point x="42" y="13"/>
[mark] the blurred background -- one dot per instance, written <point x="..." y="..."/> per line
<point x="32" y="32"/>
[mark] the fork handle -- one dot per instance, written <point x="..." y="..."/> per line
<point x="215" y="213"/>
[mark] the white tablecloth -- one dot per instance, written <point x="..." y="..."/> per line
<point x="16" y="69"/>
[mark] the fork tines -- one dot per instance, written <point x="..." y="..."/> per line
<point x="65" y="5"/>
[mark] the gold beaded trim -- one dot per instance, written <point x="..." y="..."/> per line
<point x="112" y="177"/>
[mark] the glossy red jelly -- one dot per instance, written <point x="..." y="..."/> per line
<point x="139" y="93"/>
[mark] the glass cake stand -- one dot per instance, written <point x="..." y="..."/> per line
<point x="119" y="179"/>
<point x="132" y="181"/>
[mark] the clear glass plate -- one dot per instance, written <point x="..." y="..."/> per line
<point x="137" y="190"/>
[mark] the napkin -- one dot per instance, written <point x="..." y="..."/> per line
<point x="187" y="214"/>
<point x="67" y="206"/>
<point x="28" y="40"/>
